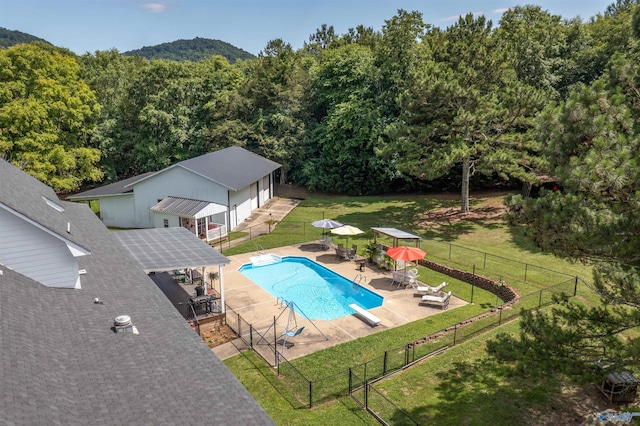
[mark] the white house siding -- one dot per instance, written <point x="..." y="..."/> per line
<point x="254" y="196"/>
<point x="177" y="182"/>
<point x="36" y="254"/>
<point x="158" y="220"/>
<point x="242" y="202"/>
<point x="265" y="190"/>
<point x="118" y="211"/>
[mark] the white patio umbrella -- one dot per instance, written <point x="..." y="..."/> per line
<point x="326" y="224"/>
<point x="347" y="230"/>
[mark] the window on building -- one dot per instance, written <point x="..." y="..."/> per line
<point x="166" y="223"/>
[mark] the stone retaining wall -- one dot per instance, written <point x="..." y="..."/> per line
<point x="501" y="289"/>
<point x="507" y="294"/>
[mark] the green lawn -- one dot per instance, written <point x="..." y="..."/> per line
<point x="487" y="247"/>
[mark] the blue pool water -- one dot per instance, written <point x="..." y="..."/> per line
<point x="320" y="293"/>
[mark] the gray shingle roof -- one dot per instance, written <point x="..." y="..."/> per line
<point x="27" y="196"/>
<point x="61" y="363"/>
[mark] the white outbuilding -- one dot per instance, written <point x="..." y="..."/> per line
<point x="209" y="195"/>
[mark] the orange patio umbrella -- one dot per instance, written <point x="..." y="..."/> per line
<point x="406" y="253"/>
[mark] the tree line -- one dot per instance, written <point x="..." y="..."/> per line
<point x="406" y="107"/>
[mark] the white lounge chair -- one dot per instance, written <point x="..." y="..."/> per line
<point x="368" y="316"/>
<point x="440" y="298"/>
<point x="427" y="289"/>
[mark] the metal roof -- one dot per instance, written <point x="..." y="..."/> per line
<point x="116" y="188"/>
<point x="165" y="249"/>
<point x="396" y="233"/>
<point x="233" y="167"/>
<point x="186" y="207"/>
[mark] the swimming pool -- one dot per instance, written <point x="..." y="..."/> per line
<point x="320" y="293"/>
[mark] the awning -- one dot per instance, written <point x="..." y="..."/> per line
<point x="166" y="249"/>
<point x="396" y="234"/>
<point x="186" y="207"/>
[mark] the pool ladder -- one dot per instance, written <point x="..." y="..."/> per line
<point x="260" y="250"/>
<point x="358" y="279"/>
<point x="282" y="302"/>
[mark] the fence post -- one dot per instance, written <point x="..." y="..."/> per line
<point x="384" y="363"/>
<point x="449" y="251"/>
<point x="526" y="268"/>
<point x="310" y="393"/>
<point x="366" y="395"/>
<point x="455" y="331"/>
<point x="365" y="373"/>
<point x="275" y="337"/>
<point x="575" y="287"/>
<point x="239" y="325"/>
<point x="484" y="266"/>
<point x="250" y="336"/>
<point x="540" y="300"/>
<point x="474" y="280"/>
<point x="500" y="317"/>
<point x="406" y="354"/>
<point x="350" y="381"/>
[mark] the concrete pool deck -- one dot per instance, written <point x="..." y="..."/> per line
<point x="258" y="307"/>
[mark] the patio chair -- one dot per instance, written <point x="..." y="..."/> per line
<point x="398" y="277"/>
<point x="341" y="253"/>
<point x="289" y="334"/>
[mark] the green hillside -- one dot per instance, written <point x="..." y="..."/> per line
<point x="191" y="50"/>
<point x="9" y="38"/>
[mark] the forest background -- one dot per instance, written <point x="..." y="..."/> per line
<point x="406" y="108"/>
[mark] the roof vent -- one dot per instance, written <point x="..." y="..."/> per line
<point x="122" y="324"/>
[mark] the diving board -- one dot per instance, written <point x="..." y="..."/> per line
<point x="265" y="259"/>
<point x="368" y="316"/>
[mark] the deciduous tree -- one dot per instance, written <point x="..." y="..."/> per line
<point x="47" y="116"/>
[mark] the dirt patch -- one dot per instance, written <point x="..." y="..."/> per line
<point x="490" y="208"/>
<point x="215" y="334"/>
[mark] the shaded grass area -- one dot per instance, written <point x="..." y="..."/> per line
<point x="464" y="386"/>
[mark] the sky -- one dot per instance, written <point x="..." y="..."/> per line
<point x="89" y="25"/>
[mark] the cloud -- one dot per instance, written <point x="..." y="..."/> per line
<point x="154" y="7"/>
<point x="503" y="10"/>
<point x="456" y="17"/>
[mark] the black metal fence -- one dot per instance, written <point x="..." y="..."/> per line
<point x="385" y="411"/>
<point x="465" y="258"/>
<point x="312" y="391"/>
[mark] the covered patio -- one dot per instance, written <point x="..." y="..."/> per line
<point x="168" y="255"/>
<point x="205" y="219"/>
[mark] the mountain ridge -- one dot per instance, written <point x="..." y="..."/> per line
<point x="180" y="50"/>
<point x="194" y="50"/>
